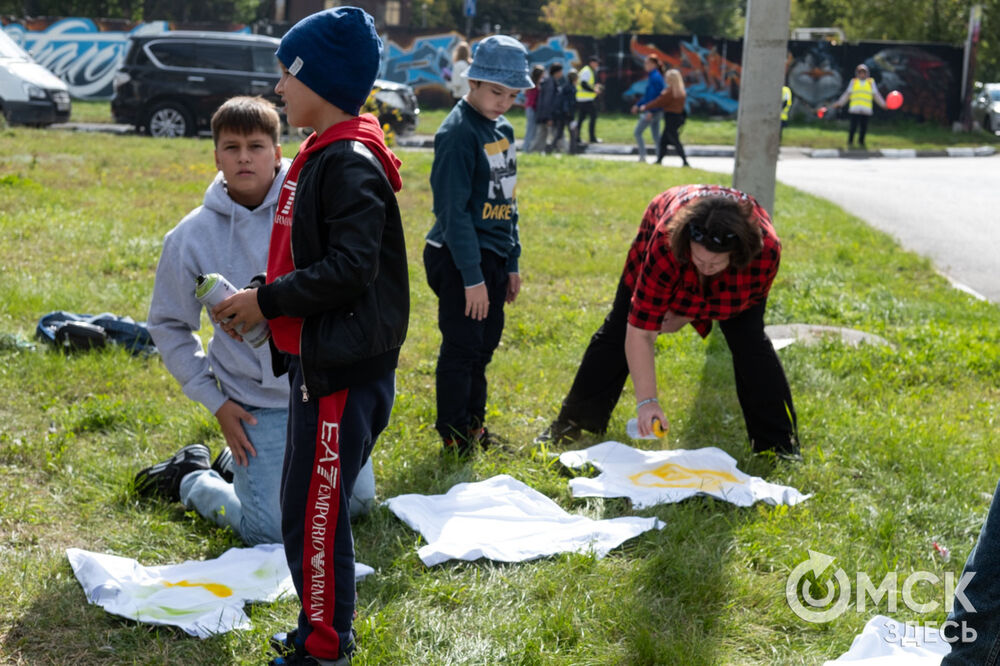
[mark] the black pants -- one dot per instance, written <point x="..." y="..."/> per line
<point x="671" y="136"/>
<point x="556" y="133"/>
<point x="329" y="440"/>
<point x="467" y="345"/>
<point x="761" y="385"/>
<point x="859" y="124"/>
<point x="587" y="110"/>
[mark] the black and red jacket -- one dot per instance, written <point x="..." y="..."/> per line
<point x="342" y="302"/>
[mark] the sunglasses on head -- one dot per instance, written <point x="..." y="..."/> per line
<point x="715" y="242"/>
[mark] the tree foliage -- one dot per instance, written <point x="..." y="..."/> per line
<point x="226" y="11"/>
<point x="944" y="21"/>
<point x="598" y="18"/>
<point x="523" y="16"/>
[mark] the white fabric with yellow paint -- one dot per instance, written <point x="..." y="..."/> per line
<point x="888" y="642"/>
<point x="659" y="477"/>
<point x="505" y="520"/>
<point x="203" y="598"/>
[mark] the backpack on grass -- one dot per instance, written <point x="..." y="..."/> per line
<point x="75" y="332"/>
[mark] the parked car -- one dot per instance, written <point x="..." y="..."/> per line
<point x="170" y="84"/>
<point x="397" y="105"/>
<point x="29" y="93"/>
<point x="986" y="107"/>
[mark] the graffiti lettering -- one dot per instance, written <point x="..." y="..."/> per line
<point x="79" y="53"/>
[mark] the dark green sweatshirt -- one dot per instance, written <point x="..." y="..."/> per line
<point x="474" y="179"/>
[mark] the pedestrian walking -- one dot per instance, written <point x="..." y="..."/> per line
<point x="651" y="118"/>
<point x="672" y="101"/>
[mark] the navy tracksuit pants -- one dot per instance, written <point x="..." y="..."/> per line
<point x="329" y="440"/>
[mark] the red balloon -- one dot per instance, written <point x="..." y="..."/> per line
<point x="820" y="112"/>
<point x="894" y="100"/>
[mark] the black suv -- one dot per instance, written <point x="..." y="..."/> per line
<point x="170" y="84"/>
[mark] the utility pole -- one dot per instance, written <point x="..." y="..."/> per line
<point x="758" y="118"/>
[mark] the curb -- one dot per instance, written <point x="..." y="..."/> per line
<point x="425" y="141"/>
<point x="104" y="128"/>
<point x="902" y="153"/>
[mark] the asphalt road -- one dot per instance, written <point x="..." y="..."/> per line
<point x="947" y="209"/>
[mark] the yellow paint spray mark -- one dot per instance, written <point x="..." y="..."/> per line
<point x="671" y="475"/>
<point x="218" y="589"/>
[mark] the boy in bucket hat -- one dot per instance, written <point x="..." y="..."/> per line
<point x="337" y="301"/>
<point x="471" y="256"/>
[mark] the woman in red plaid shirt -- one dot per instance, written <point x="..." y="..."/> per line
<point x="703" y="253"/>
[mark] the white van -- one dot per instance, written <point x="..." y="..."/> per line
<point x="29" y="93"/>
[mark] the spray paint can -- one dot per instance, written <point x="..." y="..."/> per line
<point x="632" y="428"/>
<point x="212" y="289"/>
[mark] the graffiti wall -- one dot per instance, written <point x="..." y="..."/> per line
<point x="424" y="61"/>
<point x="928" y="75"/>
<point x="85" y="54"/>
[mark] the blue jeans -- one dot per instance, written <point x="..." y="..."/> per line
<point x="983" y="595"/>
<point x="654" y="127"/>
<point x="529" y="129"/>
<point x="250" y="505"/>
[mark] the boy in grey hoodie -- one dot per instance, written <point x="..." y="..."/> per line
<point x="228" y="234"/>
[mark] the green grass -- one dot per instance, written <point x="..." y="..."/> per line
<point x="899" y="443"/>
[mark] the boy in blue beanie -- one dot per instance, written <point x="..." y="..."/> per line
<point x="337" y="301"/>
<point x="472" y="250"/>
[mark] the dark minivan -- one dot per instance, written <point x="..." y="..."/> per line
<point x="170" y="84"/>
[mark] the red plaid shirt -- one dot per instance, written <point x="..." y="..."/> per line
<point x="660" y="283"/>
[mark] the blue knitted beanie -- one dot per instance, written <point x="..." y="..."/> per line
<point x="336" y="53"/>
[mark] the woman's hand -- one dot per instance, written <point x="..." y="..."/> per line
<point x="647" y="415"/>
<point x="673" y="322"/>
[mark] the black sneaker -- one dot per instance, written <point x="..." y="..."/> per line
<point x="560" y="433"/>
<point x="223" y="464"/>
<point x="164" y="479"/>
<point x="459" y="447"/>
<point x="787" y="451"/>
<point x="289" y="652"/>
<point x="490" y="440"/>
<point x="283" y="642"/>
<point x="302" y="659"/>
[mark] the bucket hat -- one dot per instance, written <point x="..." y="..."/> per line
<point x="500" y="59"/>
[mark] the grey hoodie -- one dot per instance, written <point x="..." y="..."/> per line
<point x="220" y="236"/>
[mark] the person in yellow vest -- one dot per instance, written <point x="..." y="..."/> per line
<point x="858" y="96"/>
<point x="786" y="106"/>
<point x="586" y="96"/>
